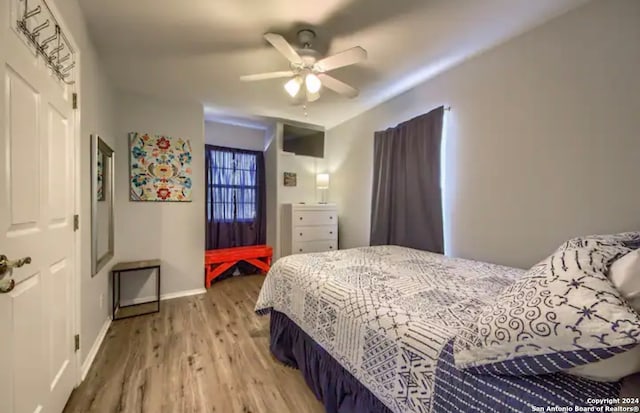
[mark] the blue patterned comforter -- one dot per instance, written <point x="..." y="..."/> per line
<point x="388" y="315"/>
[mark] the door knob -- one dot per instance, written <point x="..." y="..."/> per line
<point x="7" y="285"/>
<point x="6" y="265"/>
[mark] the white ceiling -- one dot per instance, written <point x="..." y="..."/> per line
<point x="197" y="49"/>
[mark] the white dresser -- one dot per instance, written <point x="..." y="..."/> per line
<point x="309" y="228"/>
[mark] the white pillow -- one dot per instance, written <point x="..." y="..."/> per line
<point x="563" y="313"/>
<point x="624" y="273"/>
<point x="611" y="369"/>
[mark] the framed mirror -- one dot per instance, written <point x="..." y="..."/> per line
<point x="102" y="190"/>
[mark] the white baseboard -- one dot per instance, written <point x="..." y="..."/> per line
<point x="169" y="296"/>
<point x="93" y="352"/>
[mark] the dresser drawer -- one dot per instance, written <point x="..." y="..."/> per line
<point x="304" y="218"/>
<point x="314" y="246"/>
<point x="316" y="233"/>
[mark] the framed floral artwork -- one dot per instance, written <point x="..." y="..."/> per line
<point x="160" y="168"/>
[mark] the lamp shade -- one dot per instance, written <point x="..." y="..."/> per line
<point x="293" y="86"/>
<point x="313" y="83"/>
<point x="322" y="181"/>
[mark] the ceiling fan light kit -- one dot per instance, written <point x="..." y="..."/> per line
<point x="312" y="82"/>
<point x="293" y="86"/>
<point x="312" y="97"/>
<point x="308" y="69"/>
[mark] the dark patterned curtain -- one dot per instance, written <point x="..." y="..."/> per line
<point x="236" y="206"/>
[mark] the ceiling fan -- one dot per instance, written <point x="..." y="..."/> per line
<point x="306" y="68"/>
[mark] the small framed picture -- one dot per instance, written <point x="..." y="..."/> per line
<point x="290" y="179"/>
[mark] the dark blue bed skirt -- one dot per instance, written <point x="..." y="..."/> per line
<point x="334" y="386"/>
<point x="454" y="390"/>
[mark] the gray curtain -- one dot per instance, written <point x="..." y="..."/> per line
<point x="406" y="205"/>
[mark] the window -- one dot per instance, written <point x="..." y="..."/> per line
<point x="233" y="183"/>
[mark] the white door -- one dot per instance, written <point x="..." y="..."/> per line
<point x="37" y="362"/>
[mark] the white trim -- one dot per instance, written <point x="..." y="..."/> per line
<point x="169" y="296"/>
<point x="88" y="361"/>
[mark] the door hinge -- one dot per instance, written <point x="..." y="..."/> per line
<point x="74" y="100"/>
<point x="76" y="222"/>
<point x="76" y="340"/>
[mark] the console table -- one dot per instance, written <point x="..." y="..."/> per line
<point x="125" y="267"/>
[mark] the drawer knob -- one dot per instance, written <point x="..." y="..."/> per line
<point x="330" y="232"/>
<point x="300" y="249"/>
<point x="330" y="247"/>
<point x="301" y="234"/>
<point x="300" y="218"/>
<point x="330" y="217"/>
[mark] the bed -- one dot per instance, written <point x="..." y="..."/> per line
<point x="372" y="330"/>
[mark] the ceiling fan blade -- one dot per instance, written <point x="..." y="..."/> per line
<point x="346" y="58"/>
<point x="268" y="75"/>
<point x="338" y="86"/>
<point x="283" y="46"/>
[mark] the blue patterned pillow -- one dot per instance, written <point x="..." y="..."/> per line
<point x="564" y="312"/>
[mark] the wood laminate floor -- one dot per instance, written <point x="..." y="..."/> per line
<point x="205" y="353"/>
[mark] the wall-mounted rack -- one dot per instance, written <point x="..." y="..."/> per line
<point x="42" y="31"/>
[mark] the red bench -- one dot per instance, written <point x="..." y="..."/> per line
<point x="218" y="261"/>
